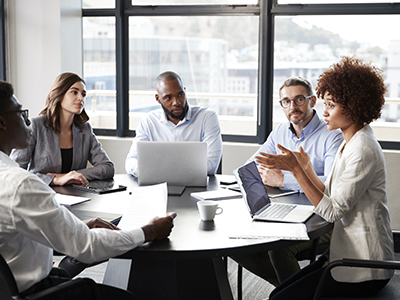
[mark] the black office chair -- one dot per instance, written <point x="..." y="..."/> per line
<point x="390" y="291"/>
<point x="9" y="290"/>
<point x="309" y="254"/>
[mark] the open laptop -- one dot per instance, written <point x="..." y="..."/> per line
<point x="177" y="163"/>
<point x="258" y="202"/>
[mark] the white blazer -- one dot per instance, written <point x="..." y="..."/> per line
<point x="355" y="200"/>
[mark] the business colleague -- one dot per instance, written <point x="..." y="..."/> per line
<point x="304" y="128"/>
<point x="32" y="223"/>
<point x="354" y="194"/>
<point x="177" y="121"/>
<point x="62" y="140"/>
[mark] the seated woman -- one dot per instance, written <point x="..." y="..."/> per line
<point x="354" y="194"/>
<point x="63" y="141"/>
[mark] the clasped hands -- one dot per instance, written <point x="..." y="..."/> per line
<point x="287" y="160"/>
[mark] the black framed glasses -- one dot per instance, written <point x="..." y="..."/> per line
<point x="24" y="113"/>
<point x="298" y="100"/>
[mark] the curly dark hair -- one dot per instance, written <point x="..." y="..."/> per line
<point x="358" y="86"/>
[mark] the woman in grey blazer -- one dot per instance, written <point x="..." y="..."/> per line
<point x="62" y="140"/>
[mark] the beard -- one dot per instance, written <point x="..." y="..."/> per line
<point x="174" y="116"/>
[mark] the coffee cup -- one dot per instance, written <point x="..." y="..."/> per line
<point x="208" y="209"/>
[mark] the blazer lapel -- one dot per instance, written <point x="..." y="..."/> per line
<point x="78" y="147"/>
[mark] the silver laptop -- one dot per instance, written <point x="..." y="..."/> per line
<point x="259" y="203"/>
<point x="177" y="163"/>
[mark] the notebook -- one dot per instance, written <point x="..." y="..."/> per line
<point x="177" y="163"/>
<point x="259" y="203"/>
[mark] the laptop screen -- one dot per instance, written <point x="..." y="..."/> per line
<point x="252" y="187"/>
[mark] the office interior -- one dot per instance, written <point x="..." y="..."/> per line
<point x="44" y="38"/>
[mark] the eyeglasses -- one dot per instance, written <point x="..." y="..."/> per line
<point x="24" y="113"/>
<point x="298" y="100"/>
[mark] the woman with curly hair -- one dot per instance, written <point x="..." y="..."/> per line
<point x="354" y="194"/>
<point x="62" y="140"/>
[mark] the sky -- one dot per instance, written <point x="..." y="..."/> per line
<point x="377" y="30"/>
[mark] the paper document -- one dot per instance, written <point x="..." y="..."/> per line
<point x="261" y="230"/>
<point x="70" y="200"/>
<point x="147" y="203"/>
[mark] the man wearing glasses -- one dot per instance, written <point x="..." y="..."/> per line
<point x="304" y="128"/>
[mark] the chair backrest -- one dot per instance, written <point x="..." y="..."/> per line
<point x="8" y="286"/>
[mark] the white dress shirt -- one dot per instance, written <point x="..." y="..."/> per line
<point x="32" y="224"/>
<point x="199" y="125"/>
<point x="355" y="200"/>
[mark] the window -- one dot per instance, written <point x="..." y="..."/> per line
<point x="233" y="56"/>
<point x="306" y="45"/>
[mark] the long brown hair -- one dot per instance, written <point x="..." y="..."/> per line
<point x="53" y="101"/>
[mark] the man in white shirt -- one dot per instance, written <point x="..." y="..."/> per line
<point x="32" y="223"/>
<point x="177" y="121"/>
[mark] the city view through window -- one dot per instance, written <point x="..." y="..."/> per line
<point x="217" y="58"/>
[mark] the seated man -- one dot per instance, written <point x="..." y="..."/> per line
<point x="32" y="223"/>
<point x="304" y="128"/>
<point x="177" y="121"/>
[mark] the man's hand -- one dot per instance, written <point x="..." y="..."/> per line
<point x="159" y="228"/>
<point x="271" y="177"/>
<point x="72" y="177"/>
<point x="99" y="223"/>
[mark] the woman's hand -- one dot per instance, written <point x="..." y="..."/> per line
<point x="285" y="161"/>
<point x="72" y="177"/>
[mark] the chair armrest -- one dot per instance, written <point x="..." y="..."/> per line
<point x="66" y="286"/>
<point x="360" y="263"/>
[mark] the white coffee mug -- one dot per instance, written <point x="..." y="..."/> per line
<point x="208" y="209"/>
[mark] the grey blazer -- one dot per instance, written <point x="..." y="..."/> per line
<point x="43" y="154"/>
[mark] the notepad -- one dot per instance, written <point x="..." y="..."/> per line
<point x="222" y="194"/>
<point x="70" y="200"/>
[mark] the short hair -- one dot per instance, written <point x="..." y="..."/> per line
<point x="167" y="76"/>
<point x="53" y="101"/>
<point x="6" y="93"/>
<point x="297" y="80"/>
<point x="358" y="86"/>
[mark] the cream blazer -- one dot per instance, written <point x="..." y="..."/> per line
<point x="43" y="155"/>
<point x="355" y="200"/>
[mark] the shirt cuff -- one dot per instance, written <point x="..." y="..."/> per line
<point x="138" y="235"/>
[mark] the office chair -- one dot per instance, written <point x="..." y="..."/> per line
<point x="309" y="254"/>
<point x="9" y="290"/>
<point x="390" y="291"/>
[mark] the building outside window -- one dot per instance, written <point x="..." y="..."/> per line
<point x="220" y="56"/>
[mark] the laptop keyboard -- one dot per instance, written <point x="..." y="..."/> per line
<point x="277" y="211"/>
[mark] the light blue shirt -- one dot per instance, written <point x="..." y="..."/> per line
<point x="199" y="125"/>
<point x="320" y="144"/>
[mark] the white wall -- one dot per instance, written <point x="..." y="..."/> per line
<point x="45" y="39"/>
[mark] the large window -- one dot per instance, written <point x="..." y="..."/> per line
<point x="232" y="56"/>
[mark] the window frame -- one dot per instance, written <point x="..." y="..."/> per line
<point x="267" y="10"/>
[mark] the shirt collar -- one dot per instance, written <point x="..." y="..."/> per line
<point x="4" y="158"/>
<point x="310" y="127"/>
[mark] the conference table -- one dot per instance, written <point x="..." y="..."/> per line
<point x="191" y="263"/>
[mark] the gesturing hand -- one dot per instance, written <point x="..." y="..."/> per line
<point x="285" y="161"/>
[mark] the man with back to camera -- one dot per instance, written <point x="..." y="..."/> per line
<point x="304" y="128"/>
<point x="177" y="121"/>
<point x="32" y="223"/>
